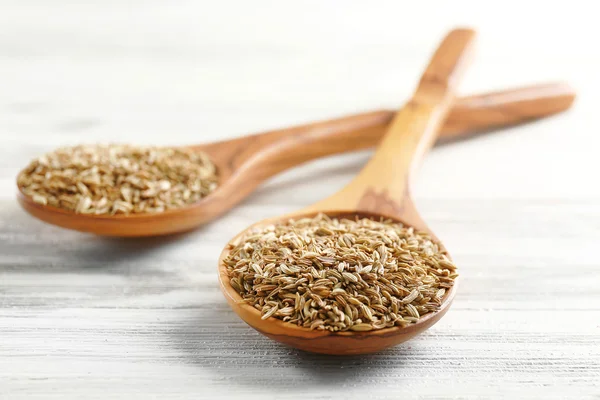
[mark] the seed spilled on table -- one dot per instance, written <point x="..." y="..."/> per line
<point x="118" y="179"/>
<point x="340" y="274"/>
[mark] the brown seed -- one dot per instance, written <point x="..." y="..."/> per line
<point x="411" y="297"/>
<point x="270" y="312"/>
<point x="361" y="327"/>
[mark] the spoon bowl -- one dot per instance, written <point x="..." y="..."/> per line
<point x="323" y="341"/>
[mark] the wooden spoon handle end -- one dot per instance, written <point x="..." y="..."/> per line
<point x="448" y="63"/>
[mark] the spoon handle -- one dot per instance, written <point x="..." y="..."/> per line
<point x="269" y="153"/>
<point x="382" y="187"/>
<point x="416" y="127"/>
<point x="479" y="113"/>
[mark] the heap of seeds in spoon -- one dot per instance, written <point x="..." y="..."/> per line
<point x="340" y="274"/>
<point x="118" y="179"/>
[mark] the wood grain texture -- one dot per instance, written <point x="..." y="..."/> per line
<point x="97" y="319"/>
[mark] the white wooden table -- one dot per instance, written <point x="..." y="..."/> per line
<point x="89" y="317"/>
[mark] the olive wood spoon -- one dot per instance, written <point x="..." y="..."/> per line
<point x="244" y="163"/>
<point x="381" y="190"/>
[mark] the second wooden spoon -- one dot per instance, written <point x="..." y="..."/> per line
<point x="380" y="191"/>
<point x="244" y="163"/>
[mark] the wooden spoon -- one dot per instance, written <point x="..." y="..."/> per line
<point x="380" y="190"/>
<point x="244" y="163"/>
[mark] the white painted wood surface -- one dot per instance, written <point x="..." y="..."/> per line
<point x="87" y="317"/>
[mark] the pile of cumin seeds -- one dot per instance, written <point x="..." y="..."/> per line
<point x="339" y="274"/>
<point x="118" y="179"/>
